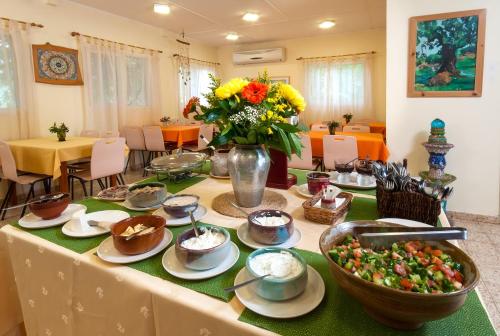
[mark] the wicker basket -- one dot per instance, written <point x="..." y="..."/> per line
<point x="322" y="215"/>
<point x="407" y="205"/>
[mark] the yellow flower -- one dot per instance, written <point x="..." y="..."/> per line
<point x="293" y="97"/>
<point x="263" y="117"/>
<point x="269" y="114"/>
<point x="269" y="130"/>
<point x="231" y="88"/>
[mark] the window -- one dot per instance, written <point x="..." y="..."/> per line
<point x="199" y="83"/>
<point x="8" y="74"/>
<point x="137" y="81"/>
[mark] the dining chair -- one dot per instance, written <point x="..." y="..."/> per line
<point x="87" y="133"/>
<point x="110" y="134"/>
<point x="338" y="148"/>
<point x="319" y="127"/>
<point x="11" y="174"/>
<point x="134" y="137"/>
<point x="106" y="161"/>
<point x="356" y="128"/>
<point x="207" y="131"/>
<point x="153" y="137"/>
<point x="306" y="159"/>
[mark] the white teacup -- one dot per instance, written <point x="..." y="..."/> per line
<point x="344" y="178"/>
<point x="364" y="180"/>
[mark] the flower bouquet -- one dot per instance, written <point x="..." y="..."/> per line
<point x="252" y="115"/>
<point x="60" y="131"/>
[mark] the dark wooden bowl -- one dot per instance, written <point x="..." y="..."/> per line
<point x="50" y="209"/>
<point x="270" y="235"/>
<point x="141" y="243"/>
<point x="393" y="307"/>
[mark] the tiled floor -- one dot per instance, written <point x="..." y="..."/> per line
<point x="482" y="245"/>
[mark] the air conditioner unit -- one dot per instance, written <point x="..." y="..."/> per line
<point x="259" y="56"/>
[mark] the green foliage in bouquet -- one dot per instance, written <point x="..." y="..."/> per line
<point x="60" y="130"/>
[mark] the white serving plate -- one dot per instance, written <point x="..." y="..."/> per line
<point x="107" y="251"/>
<point x="198" y="214"/>
<point x="111" y="199"/>
<point x="303" y="190"/>
<point x="245" y="238"/>
<point x="173" y="266"/>
<point x="108" y="216"/>
<point x="298" y="306"/>
<point x="30" y="221"/>
<point x="354" y="185"/>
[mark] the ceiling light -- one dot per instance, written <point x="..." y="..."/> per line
<point x="327" y="24"/>
<point x="161" y="8"/>
<point x="251" y="17"/>
<point x="232" y="36"/>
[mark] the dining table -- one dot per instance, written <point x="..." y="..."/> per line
<point x="370" y="145"/>
<point x="180" y="134"/>
<point x="377" y="127"/>
<point x="57" y="285"/>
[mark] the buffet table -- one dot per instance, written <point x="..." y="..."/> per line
<point x="65" y="289"/>
<point x="369" y="144"/>
<point x="181" y="133"/>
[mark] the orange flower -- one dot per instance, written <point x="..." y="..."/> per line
<point x="190" y="106"/>
<point x="254" y="92"/>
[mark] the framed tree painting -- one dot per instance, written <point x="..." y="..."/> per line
<point x="56" y="65"/>
<point x="446" y="54"/>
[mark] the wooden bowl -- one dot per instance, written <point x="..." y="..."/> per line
<point x="393" y="307"/>
<point x="50" y="209"/>
<point x="141" y="243"/>
<point x="270" y="235"/>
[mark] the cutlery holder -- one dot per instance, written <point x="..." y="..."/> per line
<point x="407" y="205"/>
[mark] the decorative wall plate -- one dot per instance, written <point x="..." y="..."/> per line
<point x="56" y="65"/>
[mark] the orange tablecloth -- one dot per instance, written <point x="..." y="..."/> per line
<point x="371" y="144"/>
<point x="377" y="127"/>
<point x="180" y="134"/>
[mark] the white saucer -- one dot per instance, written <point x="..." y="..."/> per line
<point x="405" y="222"/>
<point x="174" y="221"/>
<point x="111" y="216"/>
<point x="220" y="177"/>
<point x="173" y="266"/>
<point x="303" y="190"/>
<point x="354" y="185"/>
<point x="30" y="221"/>
<point x="107" y="251"/>
<point x="245" y="238"/>
<point x="129" y="206"/>
<point x="298" y="306"/>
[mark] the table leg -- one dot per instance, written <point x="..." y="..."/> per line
<point x="63" y="180"/>
<point x="112" y="180"/>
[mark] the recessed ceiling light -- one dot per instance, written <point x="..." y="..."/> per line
<point x="232" y="36"/>
<point x="327" y="24"/>
<point x="251" y="17"/>
<point x="161" y="8"/>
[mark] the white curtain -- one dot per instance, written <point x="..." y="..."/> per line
<point x="197" y="85"/>
<point x="336" y="86"/>
<point x="121" y="85"/>
<point x="18" y="118"/>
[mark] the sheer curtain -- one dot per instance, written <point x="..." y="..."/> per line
<point x="121" y="85"/>
<point x="336" y="86"/>
<point x="18" y="119"/>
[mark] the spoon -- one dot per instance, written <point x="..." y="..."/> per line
<point x="193" y="222"/>
<point x="42" y="199"/>
<point x="238" y="208"/>
<point x="244" y="283"/>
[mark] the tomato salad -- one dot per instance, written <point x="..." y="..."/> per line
<point x="410" y="266"/>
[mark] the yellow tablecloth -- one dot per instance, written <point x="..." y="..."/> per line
<point x="44" y="155"/>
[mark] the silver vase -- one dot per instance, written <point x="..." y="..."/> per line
<point x="248" y="167"/>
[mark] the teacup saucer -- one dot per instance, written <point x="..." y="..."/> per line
<point x="30" y="221"/>
<point x="174" y="221"/>
<point x="107" y="251"/>
<point x="298" y="306"/>
<point x="303" y="190"/>
<point x="74" y="229"/>
<point x="173" y="266"/>
<point x="245" y="238"/>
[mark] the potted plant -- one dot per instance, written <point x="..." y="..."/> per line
<point x="60" y="130"/>
<point x="165" y="120"/>
<point x="251" y="115"/>
<point x="332" y="125"/>
<point x="347" y="117"/>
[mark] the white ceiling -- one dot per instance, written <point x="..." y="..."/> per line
<point x="210" y="20"/>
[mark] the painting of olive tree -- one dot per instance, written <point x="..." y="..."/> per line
<point x="447" y="54"/>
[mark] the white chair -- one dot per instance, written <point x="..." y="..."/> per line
<point x="134" y="137"/>
<point x="89" y="133"/>
<point x="319" y="127"/>
<point x="356" y="129"/>
<point x="110" y="134"/>
<point x="338" y="148"/>
<point x="155" y="145"/>
<point x="306" y="159"/>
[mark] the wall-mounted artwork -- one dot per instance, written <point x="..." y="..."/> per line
<point x="282" y="79"/>
<point x="56" y="65"/>
<point x="446" y="54"/>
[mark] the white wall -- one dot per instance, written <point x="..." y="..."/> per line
<point x="325" y="45"/>
<point x="473" y="124"/>
<point x="64" y="103"/>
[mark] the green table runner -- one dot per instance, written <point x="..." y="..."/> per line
<point x="301" y="179"/>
